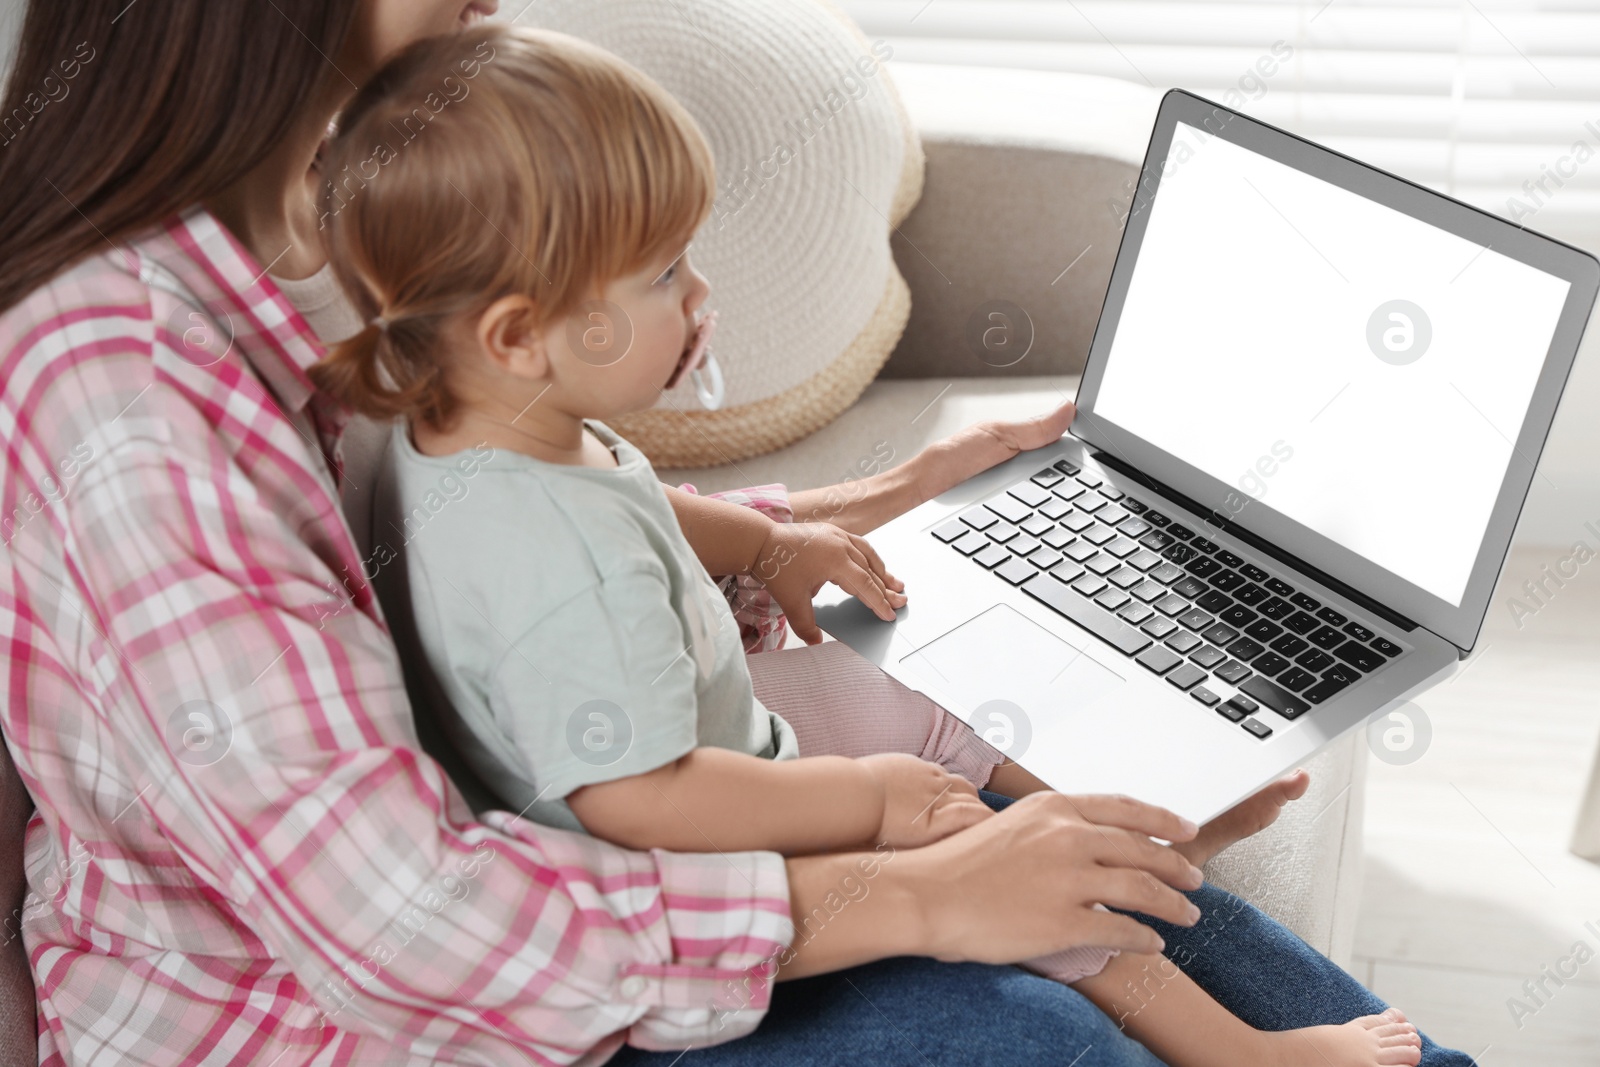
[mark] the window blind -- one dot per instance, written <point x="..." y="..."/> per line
<point x="1496" y="102"/>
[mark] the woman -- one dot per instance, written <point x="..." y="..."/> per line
<point x="240" y="854"/>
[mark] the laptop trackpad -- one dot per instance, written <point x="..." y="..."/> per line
<point x="1013" y="679"/>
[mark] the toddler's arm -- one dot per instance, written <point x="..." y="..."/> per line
<point x="714" y="799"/>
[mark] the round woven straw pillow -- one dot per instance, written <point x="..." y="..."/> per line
<point x="816" y="163"/>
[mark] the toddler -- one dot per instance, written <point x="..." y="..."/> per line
<point x="521" y="251"/>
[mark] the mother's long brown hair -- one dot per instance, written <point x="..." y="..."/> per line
<point x="117" y="115"/>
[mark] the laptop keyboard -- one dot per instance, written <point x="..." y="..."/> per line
<point x="1177" y="603"/>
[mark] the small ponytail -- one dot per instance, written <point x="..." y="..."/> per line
<point x="384" y="372"/>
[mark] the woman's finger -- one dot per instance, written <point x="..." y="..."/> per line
<point x="1115" y="847"/>
<point x="1131" y="890"/>
<point x="1106" y="929"/>
<point x="1131" y="814"/>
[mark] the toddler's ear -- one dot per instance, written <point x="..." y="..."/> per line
<point x="511" y="340"/>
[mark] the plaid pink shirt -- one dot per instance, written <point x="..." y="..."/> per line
<point x="240" y="853"/>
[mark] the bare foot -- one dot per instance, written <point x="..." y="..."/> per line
<point x="1370" y="1041"/>
<point x="1249" y="816"/>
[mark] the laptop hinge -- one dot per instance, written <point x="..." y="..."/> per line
<point x="1218" y="521"/>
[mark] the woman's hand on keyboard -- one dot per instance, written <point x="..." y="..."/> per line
<point x="922" y="802"/>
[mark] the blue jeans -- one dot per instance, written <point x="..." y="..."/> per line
<point x="918" y="1012"/>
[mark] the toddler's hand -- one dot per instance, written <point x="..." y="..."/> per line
<point x="799" y="557"/>
<point x="922" y="802"/>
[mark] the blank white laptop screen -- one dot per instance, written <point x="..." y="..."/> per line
<point x="1273" y="314"/>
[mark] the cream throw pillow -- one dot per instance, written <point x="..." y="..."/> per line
<point x="816" y="163"/>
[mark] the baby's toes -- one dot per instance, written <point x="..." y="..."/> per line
<point x="1392" y="1017"/>
<point x="1400" y="1055"/>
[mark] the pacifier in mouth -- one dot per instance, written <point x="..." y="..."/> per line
<point x="702" y="367"/>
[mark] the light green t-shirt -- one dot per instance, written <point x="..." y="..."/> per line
<point x="567" y="623"/>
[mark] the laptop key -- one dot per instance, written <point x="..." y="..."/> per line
<point x="1359" y="656"/>
<point x="1189" y="587"/>
<point x="1136" y="612"/>
<point x="1054" y="509"/>
<point x="1126" y="578"/>
<point x="1238" y="616"/>
<point x="1202" y="566"/>
<point x="1323" y="690"/>
<point x="1278" y="585"/>
<point x="1048" y="477"/>
<point x="1228" y="559"/>
<point x="1204" y="695"/>
<point x="1250" y="593"/>
<point x="1294" y="679"/>
<point x="1122" y="548"/>
<point x="1091" y="479"/>
<point x="1067" y="572"/>
<point x="1205" y="544"/>
<point x="1155" y="540"/>
<point x="1113" y="514"/>
<point x="1178" y="553"/>
<point x="1327" y="637"/>
<point x="1314" y="659"/>
<point x="1009" y="508"/>
<point x="1269" y="663"/>
<point x="1158" y="659"/>
<point x="1186" y="676"/>
<point x="1207" y="656"/>
<point x="1090" y="502"/>
<point x="951" y="530"/>
<point x="1103" y="564"/>
<point x="979" y="518"/>
<point x="1056" y="537"/>
<point x="1388" y="648"/>
<point x="1143" y="559"/>
<point x="1274" y="696"/>
<point x="1110" y="493"/>
<point x="1134" y="527"/>
<point x="1030" y="494"/>
<point x="1252" y="572"/>
<point x="1036" y="525"/>
<point x="1258" y="728"/>
<point x="1342" y="673"/>
<point x="1045" y="558"/>
<point x="1183" y="641"/>
<point x="1244" y="704"/>
<point x="1172" y="605"/>
<point x="1301" y="623"/>
<point x="1108" y="628"/>
<point x="1309" y="603"/>
<point x="1226" y="580"/>
<point x="1112" y="599"/>
<point x="1213" y="601"/>
<point x="1077" y="522"/>
<point x="1149" y="591"/>
<point x="969" y="543"/>
<point x="1181" y="532"/>
<point x="1155" y="518"/>
<point x="1220" y="634"/>
<point x="1089" y="585"/>
<point x="1233" y="672"/>
<point x="1066" y="466"/>
<point x="1359" y="632"/>
<point x="1016" y="571"/>
<point x="1002" y="532"/>
<point x="1245" y="649"/>
<point x="1195" y="619"/>
<point x="1081" y="551"/>
<point x="1023" y="545"/>
<point x="1331" y="617"/>
<point x="1276" y="609"/>
<point x="1099" y="535"/>
<point x="1167" y="573"/>
<point x="992" y="556"/>
<point x="1263" y="630"/>
<point x="1227" y="710"/>
<point x="1159" y="627"/>
<point x="1289" y="645"/>
<point x="1069" y="491"/>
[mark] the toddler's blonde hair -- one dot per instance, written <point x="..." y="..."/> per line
<point x="497" y="161"/>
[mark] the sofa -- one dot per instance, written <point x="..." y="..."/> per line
<point x="1027" y="174"/>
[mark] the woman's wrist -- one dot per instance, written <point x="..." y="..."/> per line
<point x="852" y="908"/>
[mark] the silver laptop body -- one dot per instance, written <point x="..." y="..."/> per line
<point x="1307" y="425"/>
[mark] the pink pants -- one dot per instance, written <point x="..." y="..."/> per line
<point x="841" y="705"/>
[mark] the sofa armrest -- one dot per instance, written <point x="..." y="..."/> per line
<point x="1028" y="177"/>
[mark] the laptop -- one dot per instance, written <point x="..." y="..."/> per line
<point x="1306" y="427"/>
